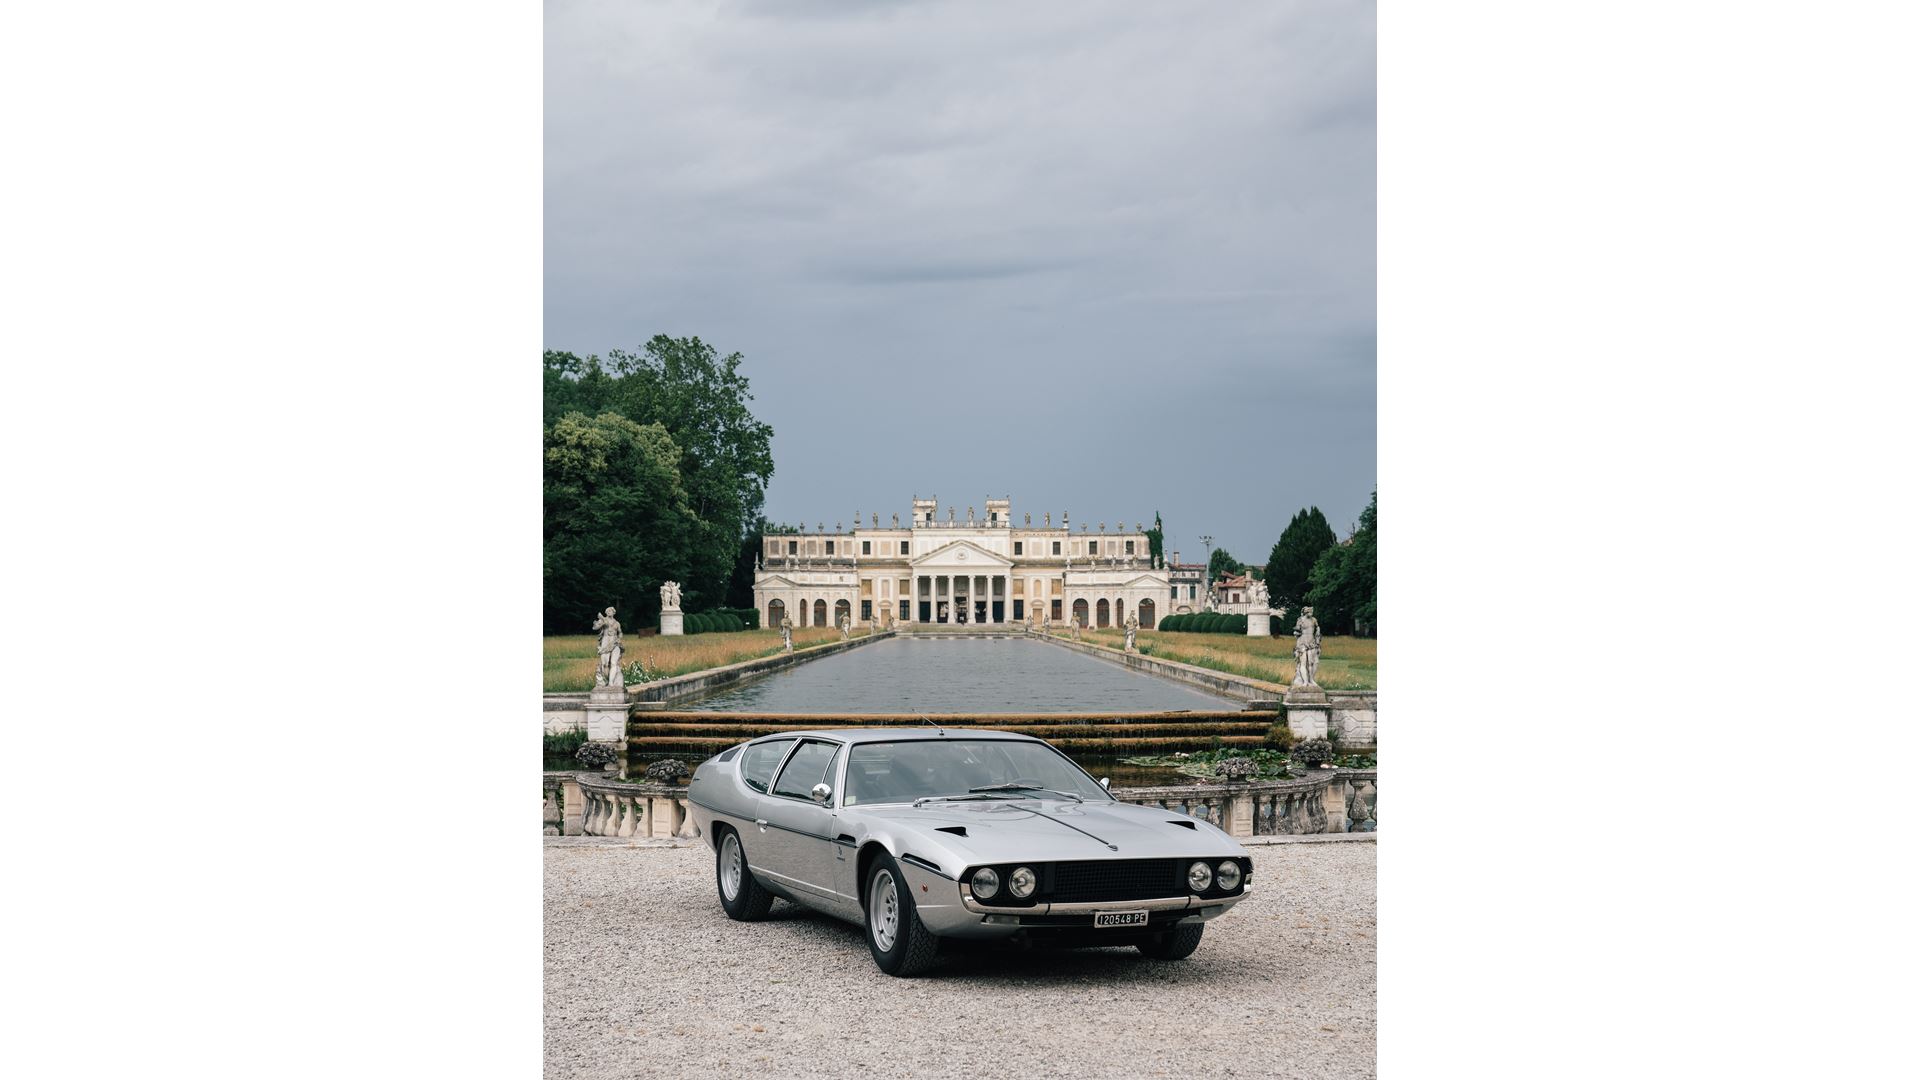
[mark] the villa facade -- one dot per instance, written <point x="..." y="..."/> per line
<point x="984" y="570"/>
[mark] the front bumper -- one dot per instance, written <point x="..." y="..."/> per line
<point x="948" y="909"/>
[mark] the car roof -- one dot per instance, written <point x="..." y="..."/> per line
<point x="899" y="734"/>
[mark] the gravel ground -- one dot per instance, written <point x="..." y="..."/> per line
<point x="646" y="976"/>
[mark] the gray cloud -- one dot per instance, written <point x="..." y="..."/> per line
<point x="1112" y="258"/>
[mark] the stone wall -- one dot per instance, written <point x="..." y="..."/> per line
<point x="1237" y="687"/>
<point x="563" y="712"/>
<point x="1353" y="718"/>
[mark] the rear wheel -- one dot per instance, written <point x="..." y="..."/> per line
<point x="1176" y="944"/>
<point x="741" y="897"/>
<point x="900" y="942"/>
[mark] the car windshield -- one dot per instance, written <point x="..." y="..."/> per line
<point x="960" y="768"/>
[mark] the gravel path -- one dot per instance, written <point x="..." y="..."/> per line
<point x="645" y="977"/>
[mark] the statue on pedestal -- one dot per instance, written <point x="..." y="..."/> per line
<point x="756" y="563"/>
<point x="969" y="515"/>
<point x="786" y="634"/>
<point x="1076" y="628"/>
<point x="846" y="627"/>
<point x="1049" y="519"/>
<point x="896" y="520"/>
<point x="1046" y="622"/>
<point x="1306" y="648"/>
<point x="608" y="673"/>
<point x="669" y="597"/>
<point x="949" y="513"/>
<point x="1029" y="519"/>
<point x="1132" y="625"/>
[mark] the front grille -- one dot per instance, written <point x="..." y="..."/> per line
<point x="1115" y="879"/>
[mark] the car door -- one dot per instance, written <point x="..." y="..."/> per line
<point x="805" y="854"/>
<point x="757" y="765"/>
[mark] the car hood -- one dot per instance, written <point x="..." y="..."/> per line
<point x="1012" y="830"/>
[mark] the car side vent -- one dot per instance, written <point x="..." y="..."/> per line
<point x="957" y="830"/>
<point x="1183" y="824"/>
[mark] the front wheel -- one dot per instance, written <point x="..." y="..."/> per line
<point x="1175" y="944"/>
<point x="900" y="942"/>
<point x="741" y="897"/>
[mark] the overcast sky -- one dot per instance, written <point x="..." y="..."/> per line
<point x="1108" y="258"/>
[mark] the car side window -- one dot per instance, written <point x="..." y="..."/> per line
<point x="756" y="765"/>
<point x="811" y="764"/>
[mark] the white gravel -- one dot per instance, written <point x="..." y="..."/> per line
<point x="646" y="977"/>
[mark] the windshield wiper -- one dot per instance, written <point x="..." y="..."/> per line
<point x="1026" y="787"/>
<point x="953" y="798"/>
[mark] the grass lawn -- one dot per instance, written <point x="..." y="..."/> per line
<point x="1346" y="663"/>
<point x="569" y="660"/>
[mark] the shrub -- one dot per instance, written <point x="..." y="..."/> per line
<point x="1313" y="752"/>
<point x="1237" y="624"/>
<point x="667" y="770"/>
<point x="594" y="755"/>
<point x="731" y="622"/>
<point x="562" y="743"/>
<point x="750" y="618"/>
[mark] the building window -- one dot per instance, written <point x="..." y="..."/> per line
<point x="1093" y="547"/>
<point x="903" y="610"/>
<point x="866" y="547"/>
<point x="866" y="611"/>
<point x="829" y="547"/>
<point x="1016" y="547"/>
<point x="1056" y="547"/>
<point x="903" y="547"/>
<point x="793" y="547"/>
<point x="1129" y="547"/>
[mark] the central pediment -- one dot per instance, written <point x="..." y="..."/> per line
<point x="962" y="555"/>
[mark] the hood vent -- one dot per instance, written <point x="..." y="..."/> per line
<point x="957" y="830"/>
<point x="1188" y="825"/>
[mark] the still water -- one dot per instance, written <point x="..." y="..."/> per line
<point x="956" y="675"/>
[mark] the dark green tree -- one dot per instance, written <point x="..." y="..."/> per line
<point x="1222" y="563"/>
<point x="617" y="522"/>
<point x="701" y="399"/>
<point x="1344" y="586"/>
<point x="1291" y="563"/>
<point x="1156" y="538"/>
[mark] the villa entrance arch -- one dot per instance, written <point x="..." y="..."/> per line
<point x="1080" y="611"/>
<point x="819" y="613"/>
<point x="1146" y="614"/>
<point x="1100" y="611"/>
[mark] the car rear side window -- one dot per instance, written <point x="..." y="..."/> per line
<point x="756" y="765"/>
<point x="811" y="764"/>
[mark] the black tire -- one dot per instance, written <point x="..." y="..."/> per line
<point x="750" y="899"/>
<point x="912" y="947"/>
<point x="1175" y="944"/>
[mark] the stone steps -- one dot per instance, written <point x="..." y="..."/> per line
<point x="1043" y="731"/>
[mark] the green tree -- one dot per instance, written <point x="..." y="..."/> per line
<point x="1156" y="538"/>
<point x="1290" y="565"/>
<point x="1344" y="585"/>
<point x="1222" y="563"/>
<point x="617" y="522"/>
<point x="701" y="399"/>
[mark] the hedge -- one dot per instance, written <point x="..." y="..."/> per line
<point x="1204" y="622"/>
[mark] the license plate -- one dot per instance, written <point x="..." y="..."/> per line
<point x="1119" y="918"/>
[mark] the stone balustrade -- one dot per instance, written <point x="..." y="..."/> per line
<point x="1329" y="801"/>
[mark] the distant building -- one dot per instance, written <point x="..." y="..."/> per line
<point x="1188" y="585"/>
<point x="985" y="569"/>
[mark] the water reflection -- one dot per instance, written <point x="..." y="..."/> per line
<point x="955" y="675"/>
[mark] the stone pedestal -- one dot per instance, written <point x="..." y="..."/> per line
<point x="1308" y="712"/>
<point x="672" y="623"/>
<point x="1259" y="624"/>
<point x="607" y="715"/>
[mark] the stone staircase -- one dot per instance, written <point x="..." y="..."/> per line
<point x="1133" y="733"/>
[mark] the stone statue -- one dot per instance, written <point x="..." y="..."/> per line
<point x="669" y="596"/>
<point x="846" y="627"/>
<point x="1029" y="519"/>
<point x="1046" y="622"/>
<point x="969" y="515"/>
<point x="896" y="520"/>
<point x="1257" y="595"/>
<point x="876" y="519"/>
<point x="608" y="673"/>
<point x="786" y="634"/>
<point x="1132" y="625"/>
<point x="756" y="563"/>
<point x="1076" y="628"/>
<point x="1306" y="648"/>
<point x="949" y="513"/>
<point x="1049" y="518"/>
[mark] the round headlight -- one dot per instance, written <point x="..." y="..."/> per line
<point x="1199" y="876"/>
<point x="1229" y="873"/>
<point x="985" y="883"/>
<point x="1021" y="882"/>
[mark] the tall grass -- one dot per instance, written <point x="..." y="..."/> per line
<point x="1346" y="663"/>
<point x="568" y="661"/>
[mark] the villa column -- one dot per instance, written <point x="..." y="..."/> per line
<point x="948" y="578"/>
<point x="987" y="615"/>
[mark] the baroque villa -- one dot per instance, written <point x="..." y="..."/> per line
<point x="986" y="570"/>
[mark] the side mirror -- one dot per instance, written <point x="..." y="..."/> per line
<point x="822" y="792"/>
<point x="1104" y="781"/>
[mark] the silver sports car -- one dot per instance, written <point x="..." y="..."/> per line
<point x="919" y="834"/>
